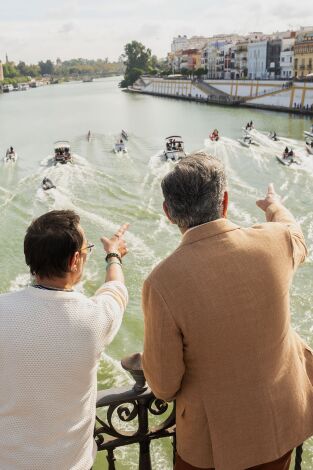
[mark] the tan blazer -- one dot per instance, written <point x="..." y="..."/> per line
<point x="218" y="338"/>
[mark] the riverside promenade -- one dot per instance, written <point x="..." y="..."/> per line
<point x="276" y="95"/>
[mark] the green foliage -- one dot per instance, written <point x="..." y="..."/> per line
<point x="63" y="71"/>
<point x="138" y="60"/>
<point x="200" y="71"/>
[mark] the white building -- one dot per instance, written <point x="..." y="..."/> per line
<point x="179" y="43"/>
<point x="287" y="58"/>
<point x="257" y="54"/>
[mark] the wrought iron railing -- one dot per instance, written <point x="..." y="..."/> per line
<point x="138" y="405"/>
<point x="119" y="408"/>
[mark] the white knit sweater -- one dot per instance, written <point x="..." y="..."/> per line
<point x="50" y="346"/>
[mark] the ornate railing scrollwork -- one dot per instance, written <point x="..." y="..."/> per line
<point x="129" y="415"/>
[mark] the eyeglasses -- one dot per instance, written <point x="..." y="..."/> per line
<point x="89" y="247"/>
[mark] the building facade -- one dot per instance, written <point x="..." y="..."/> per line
<point x="287" y="58"/>
<point x="257" y="56"/>
<point x="273" y="58"/>
<point x="241" y="60"/>
<point x="179" y="43"/>
<point x="303" y="54"/>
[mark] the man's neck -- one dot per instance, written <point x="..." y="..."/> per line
<point x="55" y="283"/>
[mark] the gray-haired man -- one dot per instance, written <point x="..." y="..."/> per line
<point x="217" y="328"/>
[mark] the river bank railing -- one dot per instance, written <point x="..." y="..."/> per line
<point x="127" y="416"/>
<point x="118" y="407"/>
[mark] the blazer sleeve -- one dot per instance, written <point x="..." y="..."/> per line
<point x="279" y="213"/>
<point x="162" y="360"/>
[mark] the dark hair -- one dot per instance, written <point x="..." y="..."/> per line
<point x="51" y="241"/>
<point x="194" y="190"/>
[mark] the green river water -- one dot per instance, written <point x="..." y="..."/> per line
<point x="108" y="189"/>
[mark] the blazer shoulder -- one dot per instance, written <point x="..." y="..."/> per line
<point x="165" y="266"/>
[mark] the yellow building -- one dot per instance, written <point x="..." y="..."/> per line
<point x="304" y="53"/>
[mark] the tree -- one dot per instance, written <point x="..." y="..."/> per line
<point x="137" y="59"/>
<point x="200" y="71"/>
<point x="46" y="68"/>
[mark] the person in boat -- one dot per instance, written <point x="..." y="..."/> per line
<point x="179" y="146"/>
<point x="89" y="135"/>
<point x="47" y="184"/>
<point x="286" y="153"/>
<point x="251" y="124"/>
<point x="215" y="135"/>
<point x="290" y="153"/>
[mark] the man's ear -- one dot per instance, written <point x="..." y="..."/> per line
<point x="166" y="211"/>
<point x="74" y="262"/>
<point x="225" y="204"/>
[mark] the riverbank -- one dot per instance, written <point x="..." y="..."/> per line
<point x="278" y="95"/>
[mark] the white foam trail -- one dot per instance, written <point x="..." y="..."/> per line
<point x="20" y="282"/>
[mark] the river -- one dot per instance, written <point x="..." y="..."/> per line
<point x="108" y="189"/>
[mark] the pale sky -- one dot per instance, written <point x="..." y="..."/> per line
<point x="32" y="30"/>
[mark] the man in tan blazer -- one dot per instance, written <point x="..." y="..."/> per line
<point x="218" y="337"/>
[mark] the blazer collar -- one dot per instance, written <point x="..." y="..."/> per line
<point x="208" y="230"/>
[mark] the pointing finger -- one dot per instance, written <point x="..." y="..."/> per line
<point x="270" y="189"/>
<point x="122" y="230"/>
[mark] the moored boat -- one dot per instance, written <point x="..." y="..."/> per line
<point x="62" y="152"/>
<point x="174" y="148"/>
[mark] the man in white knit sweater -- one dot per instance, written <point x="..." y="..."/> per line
<point x="51" y="339"/>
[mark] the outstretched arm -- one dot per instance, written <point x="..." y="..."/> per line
<point x="275" y="211"/>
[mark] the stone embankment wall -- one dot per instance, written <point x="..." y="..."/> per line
<point x="276" y="94"/>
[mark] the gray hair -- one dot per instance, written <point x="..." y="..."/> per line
<point x="194" y="190"/>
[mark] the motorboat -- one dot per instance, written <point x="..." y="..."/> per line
<point x="7" y="88"/>
<point x="273" y="136"/>
<point x="10" y="156"/>
<point x="120" y="147"/>
<point x="309" y="133"/>
<point x="47" y="184"/>
<point x="174" y="148"/>
<point x="287" y="158"/>
<point x="248" y="127"/>
<point x="309" y="146"/>
<point x="247" y="140"/>
<point x="214" y="136"/>
<point x="62" y="152"/>
<point x="124" y="134"/>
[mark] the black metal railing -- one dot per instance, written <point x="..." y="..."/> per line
<point x="138" y="405"/>
<point x="134" y="409"/>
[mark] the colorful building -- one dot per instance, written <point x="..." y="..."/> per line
<point x="304" y="53"/>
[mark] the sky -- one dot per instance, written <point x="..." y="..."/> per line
<point x="33" y="30"/>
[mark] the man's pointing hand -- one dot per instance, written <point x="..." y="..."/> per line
<point x="270" y="198"/>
